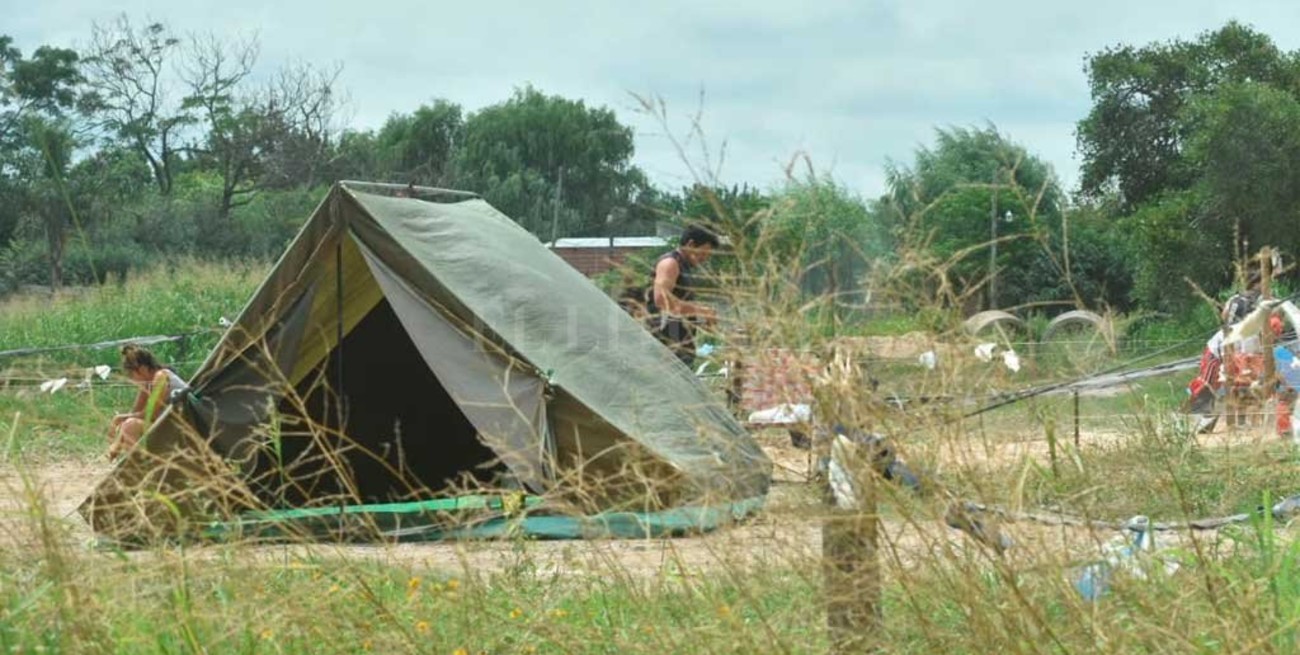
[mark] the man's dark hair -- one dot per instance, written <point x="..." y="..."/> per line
<point x="700" y="236"/>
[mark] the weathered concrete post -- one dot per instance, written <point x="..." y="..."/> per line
<point x="851" y="568"/>
<point x="850" y="532"/>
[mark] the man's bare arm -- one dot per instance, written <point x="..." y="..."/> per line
<point x="666" y="274"/>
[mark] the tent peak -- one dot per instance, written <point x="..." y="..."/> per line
<point x="406" y="190"/>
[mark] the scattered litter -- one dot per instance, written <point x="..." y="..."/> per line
<point x="224" y="322"/>
<point x="928" y="359"/>
<point x="783" y="414"/>
<point x="964" y="516"/>
<point x="53" y="385"/>
<point x="1011" y="360"/>
<point x="1287" y="508"/>
<point x="841" y="481"/>
<point x="984" y="351"/>
<point x="1134" y="553"/>
<point x="711" y="369"/>
<point x="103" y="370"/>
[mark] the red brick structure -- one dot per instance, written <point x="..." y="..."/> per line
<point x="777" y="376"/>
<point x="594" y="256"/>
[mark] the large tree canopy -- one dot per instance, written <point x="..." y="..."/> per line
<point x="973" y="187"/>
<point x="45" y="83"/>
<point x="1134" y="140"/>
<point x="533" y="151"/>
<point x="1196" y="143"/>
<point x="418" y="147"/>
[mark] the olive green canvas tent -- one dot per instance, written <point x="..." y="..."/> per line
<point x="410" y="350"/>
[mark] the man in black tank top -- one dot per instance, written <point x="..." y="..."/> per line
<point x="671" y="302"/>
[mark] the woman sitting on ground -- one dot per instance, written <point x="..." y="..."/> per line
<point x="158" y="384"/>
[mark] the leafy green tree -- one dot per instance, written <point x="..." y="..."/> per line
<point x="43" y="86"/>
<point x="45" y="160"/>
<point x="418" y="147"/>
<point x="553" y="164"/>
<point x="355" y="156"/>
<point x="1197" y="141"/>
<point x="47" y="82"/>
<point x="824" y="233"/>
<point x="1246" y="143"/>
<point x="1092" y="260"/>
<point x="1171" y="240"/>
<point x="975" y="188"/>
<point x="1134" y="139"/>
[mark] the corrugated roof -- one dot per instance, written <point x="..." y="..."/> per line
<point x="606" y="242"/>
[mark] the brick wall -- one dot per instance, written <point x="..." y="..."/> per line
<point x="594" y="261"/>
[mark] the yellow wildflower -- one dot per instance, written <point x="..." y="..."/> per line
<point x="453" y="584"/>
<point x="334" y="588"/>
<point x="413" y="584"/>
<point x="267" y="634"/>
<point x="422" y="627"/>
<point x="559" y="613"/>
<point x="724" y="611"/>
<point x="516" y="613"/>
<point x="460" y="651"/>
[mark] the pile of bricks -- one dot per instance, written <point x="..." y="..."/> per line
<point x="777" y="376"/>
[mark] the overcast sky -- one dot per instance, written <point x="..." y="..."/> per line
<point x="852" y="83"/>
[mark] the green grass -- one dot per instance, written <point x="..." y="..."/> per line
<point x="330" y="605"/>
<point x="223" y="602"/>
<point x="174" y="298"/>
<point x="67" y="424"/>
<point x="1237" y="591"/>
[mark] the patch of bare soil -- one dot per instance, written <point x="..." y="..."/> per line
<point x="906" y="346"/>
<point x="38" y="503"/>
<point x="787" y="534"/>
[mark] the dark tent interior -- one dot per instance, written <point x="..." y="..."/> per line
<point x="406" y="439"/>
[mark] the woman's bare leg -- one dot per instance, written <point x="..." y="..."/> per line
<point x="128" y="434"/>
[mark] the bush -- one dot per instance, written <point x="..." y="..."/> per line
<point x="1172" y="241"/>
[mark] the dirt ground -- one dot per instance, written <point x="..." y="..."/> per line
<point x="789" y="532"/>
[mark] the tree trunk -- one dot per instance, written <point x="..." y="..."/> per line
<point x="227" y="200"/>
<point x="54" y="236"/>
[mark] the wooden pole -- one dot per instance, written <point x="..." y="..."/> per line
<point x="1076" y="420"/>
<point x="851" y="565"/>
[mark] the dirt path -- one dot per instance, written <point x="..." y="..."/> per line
<point x="788" y="533"/>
